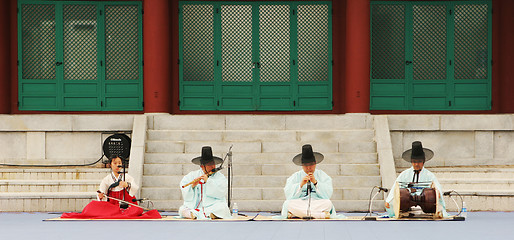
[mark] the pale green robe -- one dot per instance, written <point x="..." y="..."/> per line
<point x="213" y="199"/>
<point x="406" y="177"/>
<point x="322" y="190"/>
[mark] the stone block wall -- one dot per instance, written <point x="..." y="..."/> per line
<point x="57" y="139"/>
<point x="457" y="140"/>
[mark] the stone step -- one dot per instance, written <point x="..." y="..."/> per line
<point x="482" y="203"/>
<point x="364" y="137"/>
<point x="485" y="192"/>
<point x="45" y="201"/>
<point x="489" y="169"/>
<point x="53" y="173"/>
<point x="49" y="185"/>
<point x="268" y="181"/>
<point x="477" y="184"/>
<point x="267" y="169"/>
<point x="276" y="205"/>
<point x="263" y="158"/>
<point x="486" y="173"/>
<point x="259" y="147"/>
<point x="261" y="122"/>
<point x="496" y="175"/>
<point x="173" y="193"/>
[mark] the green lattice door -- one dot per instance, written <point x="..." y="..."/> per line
<point x="80" y="56"/>
<point x="255" y="56"/>
<point x="431" y="56"/>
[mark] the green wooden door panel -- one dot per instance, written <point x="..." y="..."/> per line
<point x="435" y="54"/>
<point x="70" y="49"/>
<point x="389" y="76"/>
<point x="249" y="55"/>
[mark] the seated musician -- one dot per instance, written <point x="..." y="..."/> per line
<point x="417" y="156"/>
<point x="319" y="184"/>
<point x="117" y="184"/>
<point x="204" y="190"/>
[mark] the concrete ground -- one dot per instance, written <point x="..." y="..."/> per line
<point x="478" y="225"/>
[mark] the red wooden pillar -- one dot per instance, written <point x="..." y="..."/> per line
<point x="357" y="56"/>
<point x="156" y="37"/>
<point x="5" y="59"/>
<point x="504" y="14"/>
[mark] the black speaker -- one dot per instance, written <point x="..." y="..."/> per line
<point x="117" y="144"/>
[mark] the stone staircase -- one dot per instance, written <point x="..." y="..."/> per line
<point x="263" y="147"/>
<point x="48" y="189"/>
<point x="487" y="188"/>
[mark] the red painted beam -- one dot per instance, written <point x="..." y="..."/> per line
<point x="357" y="56"/>
<point x="504" y="63"/>
<point x="156" y="32"/>
<point x="338" y="55"/>
<point x="13" y="36"/>
<point x="5" y="55"/>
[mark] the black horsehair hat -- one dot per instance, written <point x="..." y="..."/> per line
<point x="307" y="156"/>
<point x="206" y="157"/>
<point x="417" y="152"/>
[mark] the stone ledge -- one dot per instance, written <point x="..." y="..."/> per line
<point x="481" y="180"/>
<point x="47" y="195"/>
<point x="477" y="122"/>
<point x="471" y="169"/>
<point x="65" y="123"/>
<point x="57" y="170"/>
<point x="488" y="192"/>
<point x="48" y="182"/>
<point x="452" y="122"/>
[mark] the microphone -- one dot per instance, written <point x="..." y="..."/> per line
<point x="139" y="199"/>
<point x="216" y="169"/>
<point x="447" y="193"/>
<point x="382" y="189"/>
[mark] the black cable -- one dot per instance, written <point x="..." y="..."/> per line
<point x="369" y="203"/>
<point x="461" y="201"/>
<point x="65" y="165"/>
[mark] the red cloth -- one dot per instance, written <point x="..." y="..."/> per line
<point x="123" y="195"/>
<point x="106" y="210"/>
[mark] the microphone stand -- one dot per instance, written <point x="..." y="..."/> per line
<point x="371" y="218"/>
<point x="309" y="193"/>
<point x="124" y="206"/>
<point x="229" y="155"/>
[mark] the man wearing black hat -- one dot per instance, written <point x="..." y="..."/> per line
<point x="204" y="191"/>
<point x="417" y="156"/>
<point x="308" y="191"/>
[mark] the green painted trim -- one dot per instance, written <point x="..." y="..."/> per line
<point x="294" y="56"/>
<point x="101" y="58"/>
<point x="450" y="55"/>
<point x="256" y="57"/>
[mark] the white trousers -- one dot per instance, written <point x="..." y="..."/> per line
<point x="299" y="207"/>
<point x="186" y="213"/>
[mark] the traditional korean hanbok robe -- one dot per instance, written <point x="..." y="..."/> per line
<point x="297" y="199"/>
<point x="111" y="210"/>
<point x="424" y="176"/>
<point x="205" y="198"/>
<point x="117" y="191"/>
